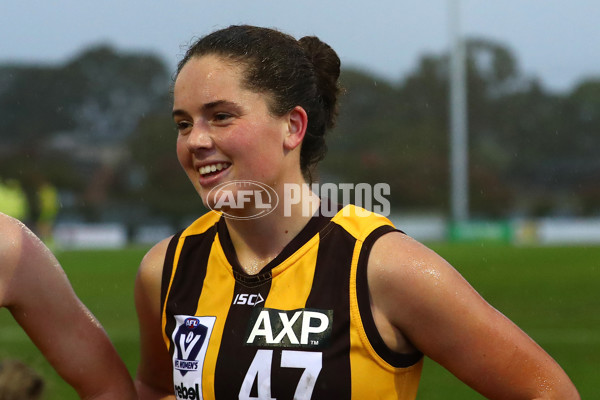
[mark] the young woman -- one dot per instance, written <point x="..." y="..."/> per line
<point x="36" y="290"/>
<point x="290" y="304"/>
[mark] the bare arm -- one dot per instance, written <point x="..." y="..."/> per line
<point x="154" y="378"/>
<point x="419" y="299"/>
<point x="41" y="299"/>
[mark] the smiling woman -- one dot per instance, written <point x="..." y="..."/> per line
<point x="223" y="124"/>
<point x="296" y="304"/>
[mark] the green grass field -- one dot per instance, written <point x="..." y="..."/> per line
<point x="550" y="292"/>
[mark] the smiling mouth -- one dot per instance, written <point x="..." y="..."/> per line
<point x="212" y="169"/>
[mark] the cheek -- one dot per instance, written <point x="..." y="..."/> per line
<point x="260" y="137"/>
<point x="183" y="154"/>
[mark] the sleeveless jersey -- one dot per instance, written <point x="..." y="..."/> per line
<point x="300" y="329"/>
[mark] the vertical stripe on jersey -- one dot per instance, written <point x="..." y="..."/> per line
<point x="234" y="361"/>
<point x="180" y="252"/>
<point x="184" y="288"/>
<point x="292" y="282"/>
<point x="330" y="292"/>
<point x="218" y="281"/>
<point x="169" y="268"/>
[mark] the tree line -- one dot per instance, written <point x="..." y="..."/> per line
<point x="98" y="128"/>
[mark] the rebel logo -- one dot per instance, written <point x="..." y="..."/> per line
<point x="188" y="393"/>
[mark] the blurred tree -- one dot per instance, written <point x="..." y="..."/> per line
<point x="32" y="105"/>
<point x="492" y="74"/>
<point x="81" y="111"/>
<point x="581" y="140"/>
<point x="112" y="91"/>
<point x="367" y="116"/>
<point x="157" y="181"/>
<point x="99" y="127"/>
<point x="399" y="133"/>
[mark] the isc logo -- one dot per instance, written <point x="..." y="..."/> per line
<point x="249" y="299"/>
<point x="306" y="328"/>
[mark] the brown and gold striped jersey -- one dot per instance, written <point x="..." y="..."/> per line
<point x="300" y="329"/>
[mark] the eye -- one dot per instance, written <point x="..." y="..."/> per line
<point x="222" y="117"/>
<point x="183" y="126"/>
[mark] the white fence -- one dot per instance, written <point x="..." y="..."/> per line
<point x="427" y="228"/>
<point x="90" y="236"/>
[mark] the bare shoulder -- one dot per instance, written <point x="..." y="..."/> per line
<point x="10" y="249"/>
<point x="399" y="259"/>
<point x="408" y="283"/>
<point x="19" y="241"/>
<point x="414" y="287"/>
<point x="149" y="276"/>
<point x="153" y="260"/>
<point x="7" y="243"/>
<point x="22" y="256"/>
<point x="12" y="232"/>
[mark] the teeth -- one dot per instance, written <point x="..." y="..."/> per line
<point x="207" y="169"/>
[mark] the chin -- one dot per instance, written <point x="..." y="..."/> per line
<point x="205" y="201"/>
<point x="208" y="199"/>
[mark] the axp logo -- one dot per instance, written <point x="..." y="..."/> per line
<point x="302" y="328"/>
<point x="190" y="338"/>
<point x="232" y="197"/>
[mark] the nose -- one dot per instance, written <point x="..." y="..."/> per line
<point x="199" y="138"/>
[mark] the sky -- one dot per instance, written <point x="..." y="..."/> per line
<point x="554" y="40"/>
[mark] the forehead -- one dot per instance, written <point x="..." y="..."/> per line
<point x="208" y="63"/>
<point x="208" y="75"/>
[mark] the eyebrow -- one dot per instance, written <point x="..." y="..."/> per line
<point x="206" y="107"/>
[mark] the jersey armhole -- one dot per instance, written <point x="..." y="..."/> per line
<point x="398" y="360"/>
<point x="168" y="268"/>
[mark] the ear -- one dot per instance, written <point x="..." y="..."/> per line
<point x="297" y="123"/>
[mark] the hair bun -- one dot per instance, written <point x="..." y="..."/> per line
<point x="327" y="67"/>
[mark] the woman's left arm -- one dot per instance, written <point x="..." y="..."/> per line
<point x="418" y="298"/>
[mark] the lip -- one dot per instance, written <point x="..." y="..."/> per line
<point x="214" y="178"/>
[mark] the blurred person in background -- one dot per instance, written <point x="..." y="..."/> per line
<point x="35" y="289"/>
<point x="13" y="201"/>
<point x="295" y="304"/>
<point x="19" y="382"/>
<point x="49" y="207"/>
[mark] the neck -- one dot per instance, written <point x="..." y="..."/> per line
<point x="258" y="241"/>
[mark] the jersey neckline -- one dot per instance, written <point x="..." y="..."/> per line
<point x="315" y="225"/>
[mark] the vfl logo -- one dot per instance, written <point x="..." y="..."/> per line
<point x="190" y="340"/>
<point x="303" y="328"/>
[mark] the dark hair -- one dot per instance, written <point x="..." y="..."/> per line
<point x="295" y="72"/>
